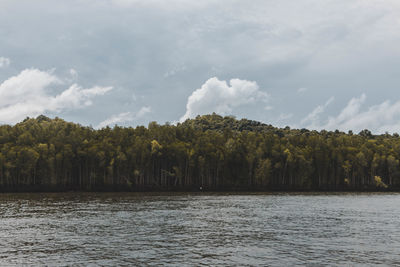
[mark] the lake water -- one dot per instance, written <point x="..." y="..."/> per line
<point x="199" y="229"/>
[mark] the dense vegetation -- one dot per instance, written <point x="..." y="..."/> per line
<point x="209" y="153"/>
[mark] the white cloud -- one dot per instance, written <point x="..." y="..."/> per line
<point x="4" y="62"/>
<point x="221" y="97"/>
<point x="27" y="94"/>
<point x="143" y="111"/>
<point x="349" y="112"/>
<point x="377" y="118"/>
<point x="115" y="119"/>
<point x="313" y="117"/>
<point x="384" y="117"/>
<point x="124" y="117"/>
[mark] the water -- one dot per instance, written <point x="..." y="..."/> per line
<point x="200" y="229"/>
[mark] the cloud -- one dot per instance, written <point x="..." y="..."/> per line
<point x="114" y="119"/>
<point x="381" y="118"/>
<point x="302" y="90"/>
<point x="313" y="117"/>
<point x="4" y="62"/>
<point x="28" y="94"/>
<point x="268" y="107"/>
<point x="325" y="46"/>
<point x="174" y="71"/>
<point x="348" y="113"/>
<point x="283" y="117"/>
<point x="221" y="97"/>
<point x="143" y="111"/>
<point x="174" y="4"/>
<point x="73" y="73"/>
<point x="124" y="117"/>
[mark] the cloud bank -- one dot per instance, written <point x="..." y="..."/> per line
<point x="220" y="97"/>
<point x="28" y="94"/>
<point x="163" y="50"/>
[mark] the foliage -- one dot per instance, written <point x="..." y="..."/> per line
<point x="379" y="183"/>
<point x="211" y="152"/>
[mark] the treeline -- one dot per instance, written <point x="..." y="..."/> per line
<point x="210" y="152"/>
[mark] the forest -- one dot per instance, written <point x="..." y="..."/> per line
<point x="210" y="153"/>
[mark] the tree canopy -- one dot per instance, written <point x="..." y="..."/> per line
<point x="210" y="152"/>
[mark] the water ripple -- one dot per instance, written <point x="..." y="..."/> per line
<point x="200" y="229"/>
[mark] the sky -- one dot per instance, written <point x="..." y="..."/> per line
<point x="317" y="64"/>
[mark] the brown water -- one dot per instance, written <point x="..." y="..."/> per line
<point x="200" y="229"/>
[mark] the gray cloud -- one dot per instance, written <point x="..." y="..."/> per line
<point x="164" y="50"/>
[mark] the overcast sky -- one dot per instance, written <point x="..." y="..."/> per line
<point x="316" y="64"/>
